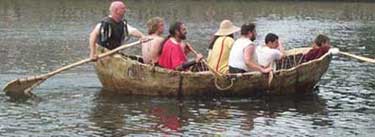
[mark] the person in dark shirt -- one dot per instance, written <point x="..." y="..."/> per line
<point x="112" y="31"/>
<point x="320" y="47"/>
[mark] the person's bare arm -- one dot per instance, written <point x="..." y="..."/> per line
<point x="135" y="32"/>
<point x="248" y="56"/>
<point x="281" y="49"/>
<point x="188" y="64"/>
<point x="92" y="42"/>
<point x="187" y="47"/>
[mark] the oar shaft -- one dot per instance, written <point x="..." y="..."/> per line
<point x="358" y="57"/>
<point x="217" y="74"/>
<point x="89" y="60"/>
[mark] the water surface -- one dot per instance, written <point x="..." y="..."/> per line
<point x="38" y="36"/>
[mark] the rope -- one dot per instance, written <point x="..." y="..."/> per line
<point x="225" y="88"/>
<point x="300" y="59"/>
<point x="294" y="60"/>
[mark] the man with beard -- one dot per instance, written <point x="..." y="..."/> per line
<point x="175" y="50"/>
<point x="242" y="57"/>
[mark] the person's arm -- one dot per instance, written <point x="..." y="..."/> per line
<point x="281" y="49"/>
<point x="92" y="42"/>
<point x="248" y="56"/>
<point x="185" y="65"/>
<point x="190" y="63"/>
<point x="135" y="32"/>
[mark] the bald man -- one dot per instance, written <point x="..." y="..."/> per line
<point x="112" y="31"/>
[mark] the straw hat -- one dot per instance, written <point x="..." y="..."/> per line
<point x="226" y="28"/>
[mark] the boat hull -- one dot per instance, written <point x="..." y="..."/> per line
<point x="125" y="75"/>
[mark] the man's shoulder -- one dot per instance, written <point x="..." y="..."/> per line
<point x="158" y="38"/>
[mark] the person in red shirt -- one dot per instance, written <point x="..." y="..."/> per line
<point x="174" y="49"/>
<point x="320" y="47"/>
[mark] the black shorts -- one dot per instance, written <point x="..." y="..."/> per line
<point x="236" y="70"/>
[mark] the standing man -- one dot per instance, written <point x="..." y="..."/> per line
<point x="151" y="49"/>
<point x="174" y="49"/>
<point x="111" y="32"/>
<point x="242" y="57"/>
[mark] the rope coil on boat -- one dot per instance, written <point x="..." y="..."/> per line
<point x="224" y="88"/>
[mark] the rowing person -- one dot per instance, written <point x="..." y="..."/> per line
<point x="175" y="50"/>
<point x="320" y="46"/>
<point x="221" y="45"/>
<point x="112" y="31"/>
<point x="269" y="53"/>
<point x="242" y="57"/>
<point x="151" y="49"/>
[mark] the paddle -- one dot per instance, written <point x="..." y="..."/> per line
<point x="23" y="86"/>
<point x="217" y="74"/>
<point x="336" y="50"/>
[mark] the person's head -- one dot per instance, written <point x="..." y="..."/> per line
<point x="322" y="40"/>
<point x="272" y="40"/>
<point x="178" y="30"/>
<point x="226" y="28"/>
<point x="117" y="9"/>
<point x="248" y="30"/>
<point x="155" y="25"/>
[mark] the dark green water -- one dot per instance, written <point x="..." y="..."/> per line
<point x="37" y="36"/>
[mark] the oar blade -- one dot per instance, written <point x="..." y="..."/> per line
<point x="19" y="87"/>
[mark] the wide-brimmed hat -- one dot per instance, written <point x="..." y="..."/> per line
<point x="226" y="28"/>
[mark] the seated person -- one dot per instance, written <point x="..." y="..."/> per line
<point x="221" y="46"/>
<point x="242" y="57"/>
<point x="320" y="47"/>
<point x="151" y="49"/>
<point x="174" y="49"/>
<point x="269" y="53"/>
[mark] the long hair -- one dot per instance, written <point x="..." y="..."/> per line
<point x="172" y="32"/>
<point x="212" y="42"/>
<point x="153" y="24"/>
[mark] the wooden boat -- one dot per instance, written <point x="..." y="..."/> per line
<point x="125" y="74"/>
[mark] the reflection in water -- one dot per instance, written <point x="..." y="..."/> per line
<point x="123" y="115"/>
<point x="37" y="36"/>
<point x="41" y="35"/>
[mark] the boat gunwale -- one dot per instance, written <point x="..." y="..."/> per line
<point x="294" y="51"/>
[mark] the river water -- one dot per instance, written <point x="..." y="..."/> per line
<point x="37" y="36"/>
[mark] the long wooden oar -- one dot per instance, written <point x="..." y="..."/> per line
<point x="23" y="86"/>
<point x="217" y="74"/>
<point x="337" y="51"/>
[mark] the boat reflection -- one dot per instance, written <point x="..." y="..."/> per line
<point x="128" y="115"/>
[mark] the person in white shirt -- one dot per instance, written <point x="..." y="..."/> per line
<point x="242" y="56"/>
<point x="270" y="52"/>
